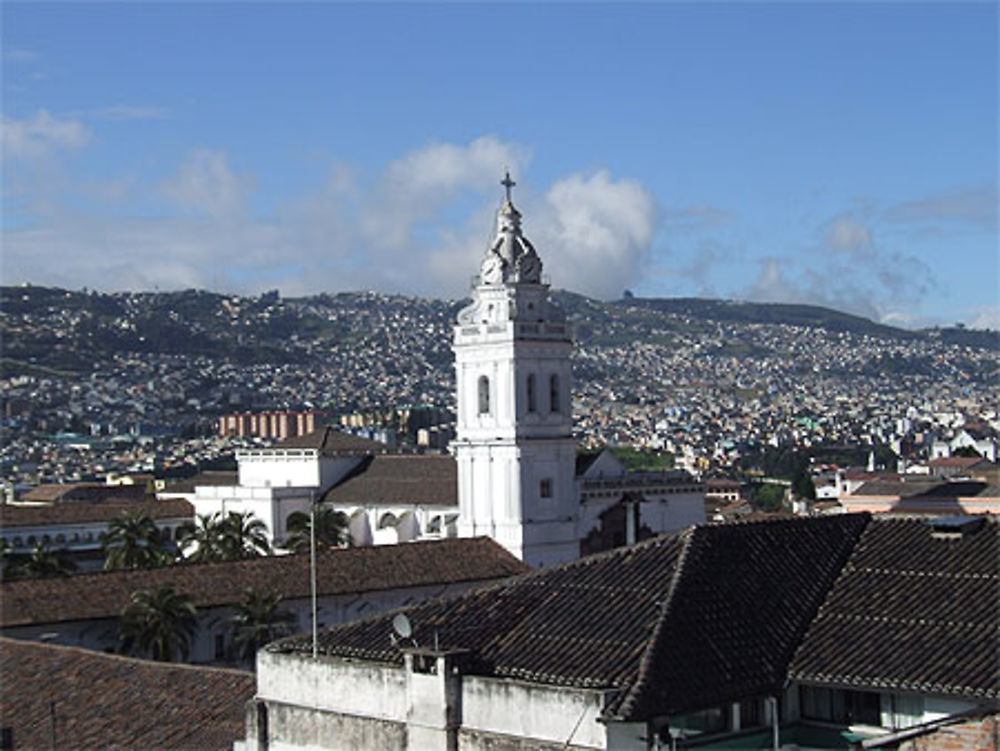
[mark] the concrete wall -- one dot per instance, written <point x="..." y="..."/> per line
<point x="334" y="703"/>
<point x="558" y="715"/>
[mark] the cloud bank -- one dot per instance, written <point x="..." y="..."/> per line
<point x="419" y="226"/>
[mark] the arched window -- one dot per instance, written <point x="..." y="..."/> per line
<point x="532" y="401"/>
<point x="484" y="395"/>
<point x="554" y="392"/>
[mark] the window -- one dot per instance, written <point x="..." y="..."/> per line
<point x="843" y="707"/>
<point x="545" y="488"/>
<point x="554" y="393"/>
<point x="532" y="401"/>
<point x="220" y="647"/>
<point x="484" y="395"/>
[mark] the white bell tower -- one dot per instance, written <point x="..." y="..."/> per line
<point x="514" y="447"/>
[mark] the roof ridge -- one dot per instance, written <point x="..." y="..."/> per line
<point x="628" y="702"/>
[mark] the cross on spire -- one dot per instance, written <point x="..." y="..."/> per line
<point x="507" y="183"/>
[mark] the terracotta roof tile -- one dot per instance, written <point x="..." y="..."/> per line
<point x="329" y="441"/>
<point x="710" y="614"/>
<point x="69" y="513"/>
<point x="912" y="610"/>
<point x="118" y="703"/>
<point x="430" y="479"/>
<point x="104" y="594"/>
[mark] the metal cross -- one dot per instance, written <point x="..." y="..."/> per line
<point x="508" y="184"/>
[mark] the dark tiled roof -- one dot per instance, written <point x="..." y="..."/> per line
<point x="103" y="594"/>
<point x="77" y="513"/>
<point x="85" y="492"/>
<point x="330" y="442"/>
<point x="897" y="488"/>
<point x="430" y="479"/>
<point x="708" y="614"/>
<point x="210" y="477"/>
<point x="911" y="611"/>
<point x="109" y="702"/>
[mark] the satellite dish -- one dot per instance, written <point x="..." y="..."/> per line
<point x="401" y="625"/>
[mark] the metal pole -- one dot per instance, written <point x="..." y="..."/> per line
<point x="312" y="576"/>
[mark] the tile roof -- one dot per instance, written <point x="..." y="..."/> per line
<point x="215" y="477"/>
<point x="709" y="614"/>
<point x="330" y="442"/>
<point x="911" y="611"/>
<point x="104" y="594"/>
<point x="89" y="492"/>
<point x="429" y="479"/>
<point x="78" y="513"/>
<point x="104" y="701"/>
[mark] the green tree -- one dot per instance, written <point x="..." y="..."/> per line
<point x="134" y="541"/>
<point x="770" y="496"/>
<point x="203" y="542"/>
<point x="257" y="621"/>
<point x="233" y="537"/>
<point x="803" y="486"/>
<point x="331" y="529"/>
<point x="244" y="536"/>
<point x="158" y="623"/>
<point x="41" y="562"/>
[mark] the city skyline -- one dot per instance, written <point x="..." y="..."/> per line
<point x="842" y="155"/>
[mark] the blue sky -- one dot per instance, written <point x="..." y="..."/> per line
<point x="839" y="154"/>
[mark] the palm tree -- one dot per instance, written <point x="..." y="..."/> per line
<point x="331" y="529"/>
<point x="158" y="623"/>
<point x="133" y="541"/>
<point x="258" y="621"/>
<point x="244" y="536"/>
<point x="41" y="562"/>
<point x="204" y="539"/>
<point x="230" y="538"/>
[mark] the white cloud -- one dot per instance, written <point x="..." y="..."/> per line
<point x="41" y="136"/>
<point x="847" y="235"/>
<point x="593" y="233"/>
<point x="419" y="226"/>
<point x="206" y="184"/>
<point x="416" y="187"/>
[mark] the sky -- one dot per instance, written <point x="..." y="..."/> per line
<point x="836" y="154"/>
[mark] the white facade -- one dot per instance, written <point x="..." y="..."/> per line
<point x="514" y="446"/>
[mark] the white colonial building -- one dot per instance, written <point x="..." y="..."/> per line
<point x="513" y="473"/>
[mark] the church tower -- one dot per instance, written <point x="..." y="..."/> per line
<point x="514" y="448"/>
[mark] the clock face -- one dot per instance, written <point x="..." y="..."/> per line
<point x="492" y="271"/>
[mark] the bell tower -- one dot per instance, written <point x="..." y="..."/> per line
<point x="514" y="447"/>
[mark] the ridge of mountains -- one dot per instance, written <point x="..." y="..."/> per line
<point x="66" y="330"/>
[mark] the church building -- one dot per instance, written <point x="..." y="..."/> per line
<point x="513" y="471"/>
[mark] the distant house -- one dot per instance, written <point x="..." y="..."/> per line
<point x="805" y="632"/>
<point x="83" y="609"/>
<point x="923" y="495"/>
<point x="55" y="697"/>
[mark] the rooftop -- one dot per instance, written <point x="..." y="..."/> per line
<point x="403" y="479"/>
<point x="104" y="594"/>
<point x="708" y="615"/>
<point x="79" y="513"/>
<point x="104" y="701"/>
